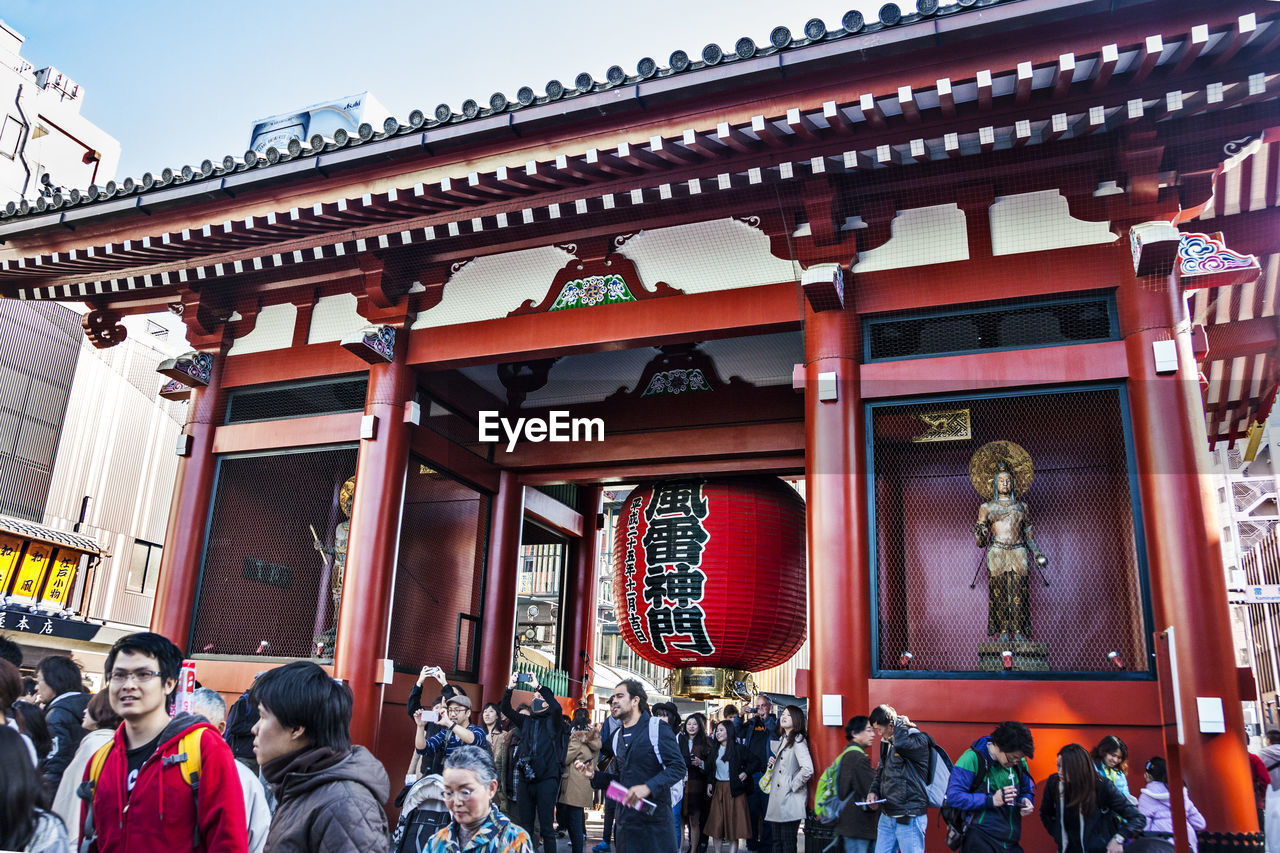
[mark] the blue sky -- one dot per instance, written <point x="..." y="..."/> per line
<point x="177" y="82"/>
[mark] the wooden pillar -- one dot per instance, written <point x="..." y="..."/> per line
<point x="1179" y="520"/>
<point x="189" y="512"/>
<point x="365" y="610"/>
<point x="579" y="615"/>
<point x="499" y="626"/>
<point x="839" y="542"/>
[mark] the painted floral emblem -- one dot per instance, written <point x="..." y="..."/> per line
<point x="593" y="290"/>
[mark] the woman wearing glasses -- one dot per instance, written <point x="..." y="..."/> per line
<point x="470" y="784"/>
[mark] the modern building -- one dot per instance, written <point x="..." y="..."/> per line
<point x="42" y="132"/>
<point x="936" y="265"/>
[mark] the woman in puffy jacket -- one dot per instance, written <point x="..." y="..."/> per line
<point x="792" y="770"/>
<point x="1154" y="803"/>
<point x="1081" y="810"/>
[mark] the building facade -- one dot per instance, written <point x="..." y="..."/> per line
<point x="955" y="269"/>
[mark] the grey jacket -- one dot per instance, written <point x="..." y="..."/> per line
<point x="337" y="809"/>
<point x="899" y="783"/>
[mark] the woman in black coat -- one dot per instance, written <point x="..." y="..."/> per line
<point x="1083" y="812"/>
<point x="729" y="774"/>
<point x="695" y="746"/>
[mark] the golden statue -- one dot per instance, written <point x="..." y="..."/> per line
<point x="1001" y="471"/>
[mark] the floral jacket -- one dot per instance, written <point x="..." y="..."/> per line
<point x="497" y="835"/>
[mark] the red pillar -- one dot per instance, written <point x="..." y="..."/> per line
<point x="579" y="622"/>
<point x="1185" y="565"/>
<point x="499" y="626"/>
<point x="189" y="512"/>
<point x="839" y="549"/>
<point x="365" y="610"/>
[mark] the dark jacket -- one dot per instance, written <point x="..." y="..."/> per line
<point x="697" y="775"/>
<point x="325" y="805"/>
<point x="241" y="718"/>
<point x="543" y="737"/>
<point x="974" y="778"/>
<point x="900" y="777"/>
<point x="855" y="778"/>
<point x="1114" y="814"/>
<point x="637" y="764"/>
<point x="64" y="717"/>
<point x="740" y="761"/>
<point x="755" y="733"/>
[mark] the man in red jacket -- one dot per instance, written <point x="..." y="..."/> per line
<point x="141" y="800"/>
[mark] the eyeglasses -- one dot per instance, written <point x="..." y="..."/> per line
<point x="463" y="796"/>
<point x="140" y="677"/>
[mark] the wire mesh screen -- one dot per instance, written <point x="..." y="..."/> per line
<point x="345" y="394"/>
<point x="947" y="605"/>
<point x="1046" y="323"/>
<point x="439" y="571"/>
<point x="266" y="588"/>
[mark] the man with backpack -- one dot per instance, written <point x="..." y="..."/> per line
<point x="899" y="789"/>
<point x="162" y="783"/>
<point x="992" y="789"/>
<point x="646" y="764"/>
<point x="845" y="782"/>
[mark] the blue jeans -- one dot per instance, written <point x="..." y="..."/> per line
<point x="907" y="837"/>
<point x="857" y="845"/>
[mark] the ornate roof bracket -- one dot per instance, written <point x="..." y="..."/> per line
<point x="599" y="275"/>
<point x="383" y="299"/>
<point x="103" y="328"/>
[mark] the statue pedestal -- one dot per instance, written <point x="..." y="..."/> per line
<point x="1028" y="656"/>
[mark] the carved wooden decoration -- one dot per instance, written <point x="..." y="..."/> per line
<point x="595" y="278"/>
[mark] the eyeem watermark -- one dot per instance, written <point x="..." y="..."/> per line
<point x="557" y="426"/>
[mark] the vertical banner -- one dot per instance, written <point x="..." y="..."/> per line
<point x="10" y="551"/>
<point x="65" y="563"/>
<point x="35" y="565"/>
<point x="186" y="687"/>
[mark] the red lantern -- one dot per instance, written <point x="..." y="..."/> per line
<point x="711" y="573"/>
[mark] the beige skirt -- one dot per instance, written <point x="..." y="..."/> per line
<point x="728" y="817"/>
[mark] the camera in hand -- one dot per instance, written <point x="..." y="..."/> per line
<point x="525" y="766"/>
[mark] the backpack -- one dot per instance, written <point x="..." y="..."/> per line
<point x="423" y="815"/>
<point x="677" y="790"/>
<point x="953" y="817"/>
<point x="827" y="803"/>
<point x="187" y="758"/>
<point x="937" y="774"/>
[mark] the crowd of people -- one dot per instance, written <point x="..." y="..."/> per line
<point x="123" y="770"/>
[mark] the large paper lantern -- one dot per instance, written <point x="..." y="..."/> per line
<point x="710" y="577"/>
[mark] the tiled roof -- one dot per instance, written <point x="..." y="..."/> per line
<point x="31" y="530"/>
<point x="853" y="24"/>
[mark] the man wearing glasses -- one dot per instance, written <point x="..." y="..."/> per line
<point x="141" y="800"/>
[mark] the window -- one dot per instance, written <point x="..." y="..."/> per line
<point x="10" y="135"/>
<point x="144" y="567"/>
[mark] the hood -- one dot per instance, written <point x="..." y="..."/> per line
<point x="174" y="730"/>
<point x="980" y="746"/>
<point x="1157" y="791"/>
<point x="73" y="702"/>
<point x="359" y="767"/>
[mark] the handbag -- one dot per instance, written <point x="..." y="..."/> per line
<point x="766" y="780"/>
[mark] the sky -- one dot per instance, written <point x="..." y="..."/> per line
<point x="176" y="82"/>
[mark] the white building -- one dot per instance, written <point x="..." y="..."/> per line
<point x="42" y="131"/>
<point x="1246" y="487"/>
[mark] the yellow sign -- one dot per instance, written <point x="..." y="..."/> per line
<point x="64" y="573"/>
<point x="10" y="551"/>
<point x="34" y="567"/>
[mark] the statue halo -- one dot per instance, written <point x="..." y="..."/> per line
<point x="987" y="458"/>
